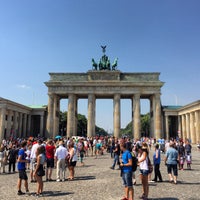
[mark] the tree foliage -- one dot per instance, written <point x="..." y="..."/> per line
<point x="145" y="127"/>
<point x="81" y="125"/>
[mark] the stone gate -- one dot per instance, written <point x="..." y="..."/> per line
<point x="105" y="84"/>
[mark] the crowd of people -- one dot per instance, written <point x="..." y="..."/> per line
<point x="41" y="157"/>
<point x="176" y="154"/>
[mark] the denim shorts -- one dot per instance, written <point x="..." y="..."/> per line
<point x="127" y="179"/>
<point x="144" y="172"/>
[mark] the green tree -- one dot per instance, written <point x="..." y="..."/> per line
<point x="145" y="127"/>
<point x="81" y="125"/>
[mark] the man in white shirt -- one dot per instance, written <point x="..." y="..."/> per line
<point x="33" y="158"/>
<point x="60" y="157"/>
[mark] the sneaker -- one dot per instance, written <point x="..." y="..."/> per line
<point x="20" y="192"/>
<point x="111" y="167"/>
<point x="27" y="192"/>
<point x="151" y="181"/>
<point x="63" y="180"/>
<point x="58" y="180"/>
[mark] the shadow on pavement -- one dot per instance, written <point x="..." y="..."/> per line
<point x="164" y="198"/>
<point x="84" y="178"/>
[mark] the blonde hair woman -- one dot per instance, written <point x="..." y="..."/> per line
<point x="144" y="170"/>
<point x="39" y="170"/>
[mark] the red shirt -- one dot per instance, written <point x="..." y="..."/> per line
<point x="50" y="151"/>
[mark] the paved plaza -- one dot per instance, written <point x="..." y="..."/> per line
<point x="96" y="181"/>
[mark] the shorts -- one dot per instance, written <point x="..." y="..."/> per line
<point x="144" y="172"/>
<point x="173" y="168"/>
<point x="72" y="163"/>
<point x="50" y="162"/>
<point x="127" y="179"/>
<point x="23" y="175"/>
<point x="33" y="164"/>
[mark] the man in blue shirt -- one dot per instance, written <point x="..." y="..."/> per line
<point x="126" y="169"/>
<point x="21" y="165"/>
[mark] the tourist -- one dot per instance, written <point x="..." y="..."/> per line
<point x="60" y="157"/>
<point x="33" y="158"/>
<point x="188" y="151"/>
<point x="144" y="170"/>
<point x="12" y="157"/>
<point x="181" y="153"/>
<point x="39" y="169"/>
<point x="198" y="146"/>
<point x="116" y="152"/>
<point x="126" y="172"/>
<point x="28" y="155"/>
<point x="156" y="162"/>
<point x="21" y="165"/>
<point x="171" y="158"/>
<point x="2" y="158"/>
<point x="72" y="160"/>
<point x="50" y="151"/>
<point x="82" y="153"/>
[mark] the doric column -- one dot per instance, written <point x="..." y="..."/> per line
<point x="167" y="127"/>
<point x="20" y="125"/>
<point x="75" y="115"/>
<point x="192" y="131"/>
<point x="49" y="126"/>
<point x="116" y="115"/>
<point x="42" y="125"/>
<point x="91" y="117"/>
<point x="157" y="118"/>
<point x="136" y="116"/>
<point x="197" y="125"/>
<point x="187" y="126"/>
<point x="184" y="127"/>
<point x="24" y="125"/>
<point x="29" y="124"/>
<point x="152" y="134"/>
<point x="9" y="124"/>
<point x="179" y="126"/>
<point x="56" y="115"/>
<point x="70" y="115"/>
<point x="2" y="123"/>
<point x="15" y="124"/>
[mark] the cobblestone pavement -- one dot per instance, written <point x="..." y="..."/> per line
<point x="96" y="180"/>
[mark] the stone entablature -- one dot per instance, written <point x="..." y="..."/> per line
<point x="103" y="83"/>
<point x="104" y="75"/>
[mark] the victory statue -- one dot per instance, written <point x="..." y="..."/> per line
<point x="104" y="63"/>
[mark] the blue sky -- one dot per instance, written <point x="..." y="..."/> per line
<point x="42" y="36"/>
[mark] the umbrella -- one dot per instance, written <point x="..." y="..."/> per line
<point x="57" y="137"/>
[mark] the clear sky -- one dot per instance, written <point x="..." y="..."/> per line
<point x="42" y="36"/>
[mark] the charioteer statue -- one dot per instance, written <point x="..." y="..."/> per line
<point x="104" y="63"/>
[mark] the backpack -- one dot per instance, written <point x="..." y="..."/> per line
<point x="134" y="162"/>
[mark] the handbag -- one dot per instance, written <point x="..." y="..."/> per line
<point x="41" y="171"/>
<point x="150" y="166"/>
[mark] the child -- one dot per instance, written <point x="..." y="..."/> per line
<point x="188" y="161"/>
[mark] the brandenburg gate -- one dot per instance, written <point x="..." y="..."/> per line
<point x="103" y="82"/>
